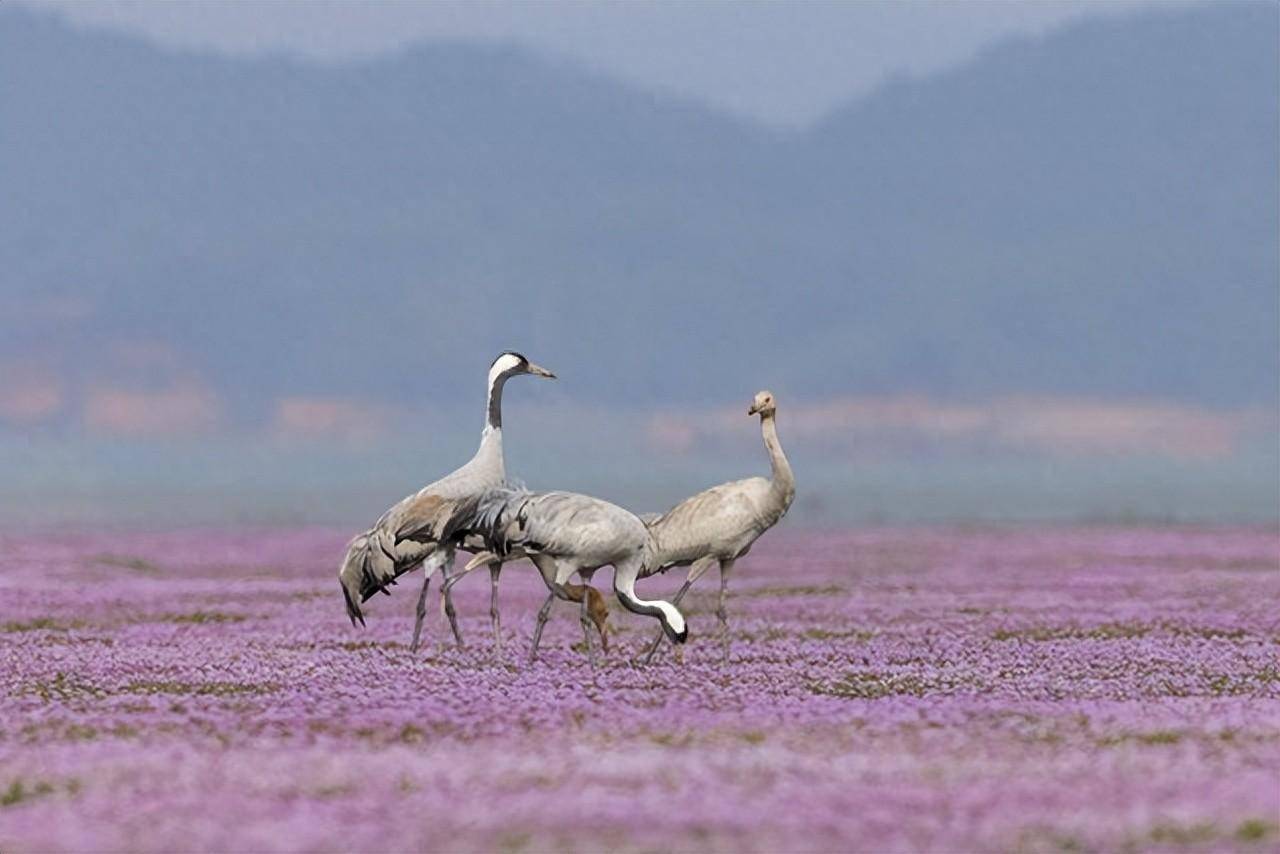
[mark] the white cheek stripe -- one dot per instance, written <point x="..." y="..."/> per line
<point x="504" y="363"/>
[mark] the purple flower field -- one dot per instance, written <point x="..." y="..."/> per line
<point x="889" y="690"/>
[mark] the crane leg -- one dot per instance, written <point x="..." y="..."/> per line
<point x="585" y="618"/>
<point x="543" y="613"/>
<point x="446" y="603"/>
<point x="696" y="571"/>
<point x="495" y="570"/>
<point x="722" y="613"/>
<point x="422" y="608"/>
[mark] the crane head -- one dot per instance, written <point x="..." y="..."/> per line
<point x="764" y="404"/>
<point x="511" y="363"/>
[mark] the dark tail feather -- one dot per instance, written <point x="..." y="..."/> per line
<point x="353" y="610"/>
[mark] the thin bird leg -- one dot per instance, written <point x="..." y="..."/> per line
<point x="543" y="613"/>
<point x="427" y="571"/>
<point x="585" y="619"/>
<point x="657" y="642"/>
<point x="495" y="570"/>
<point x="726" y="566"/>
<point x="696" y="571"/>
<point x="548" y="569"/>
<point x="586" y="633"/>
<point x="446" y="603"/>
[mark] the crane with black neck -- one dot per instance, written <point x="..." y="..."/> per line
<point x="428" y="526"/>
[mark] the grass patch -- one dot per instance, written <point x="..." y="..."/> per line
<point x="772" y="633"/>
<point x="201" y="617"/>
<point x="336" y="790"/>
<point x="1105" y="631"/>
<point x="199" y="689"/>
<point x="1237" y="685"/>
<point x="687" y="738"/>
<point x="42" y="624"/>
<point x="796" y="590"/>
<point x="84" y="732"/>
<point x="777" y="633"/>
<point x="63" y="687"/>
<point x="838" y="634"/>
<point x="356" y="646"/>
<point x="511" y="842"/>
<point x="868" y="685"/>
<point x="1159" y="736"/>
<point x="136" y="564"/>
<point x="74" y="640"/>
<point x="20" y="791"/>
<point x="1183" y="834"/>
<point x="1116" y="631"/>
<point x="346" y="646"/>
<point x="1257" y="830"/>
<point x="1045" y="839"/>
<point x="1206" y="632"/>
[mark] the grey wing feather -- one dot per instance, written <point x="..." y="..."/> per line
<point x="590" y="529"/>
<point x="435" y="518"/>
<point x="406" y="535"/>
<point x="372" y="562"/>
<point x="721" y="521"/>
<point x="561" y="523"/>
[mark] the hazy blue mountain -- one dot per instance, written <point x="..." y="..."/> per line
<point x="1091" y="213"/>
<point x="1095" y="211"/>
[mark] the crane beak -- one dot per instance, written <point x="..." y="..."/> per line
<point x="753" y="410"/>
<point x="539" y="371"/>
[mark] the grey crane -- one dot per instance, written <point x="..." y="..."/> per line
<point x="566" y="532"/>
<point x="720" y="524"/>
<point x="427" y="527"/>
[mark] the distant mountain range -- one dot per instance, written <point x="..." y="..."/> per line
<point x="1093" y="213"/>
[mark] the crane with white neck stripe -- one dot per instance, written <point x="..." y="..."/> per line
<point x="427" y="527"/>
<point x="566" y="532"/>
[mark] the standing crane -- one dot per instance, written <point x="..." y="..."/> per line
<point x="720" y="524"/>
<point x="427" y="527"/>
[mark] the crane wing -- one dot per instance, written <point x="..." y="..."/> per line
<point x="432" y="517"/>
<point x="719" y="521"/>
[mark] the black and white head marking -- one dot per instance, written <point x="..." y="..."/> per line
<point x="507" y="364"/>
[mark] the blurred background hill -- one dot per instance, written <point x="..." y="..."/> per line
<point x="1041" y="284"/>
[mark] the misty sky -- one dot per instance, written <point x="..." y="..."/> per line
<point x="786" y="64"/>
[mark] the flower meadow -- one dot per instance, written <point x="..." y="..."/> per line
<point x="1070" y="689"/>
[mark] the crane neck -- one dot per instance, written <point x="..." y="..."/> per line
<point x="491" y="437"/>
<point x="493" y="411"/>
<point x="783" y="482"/>
<point x="673" y="623"/>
